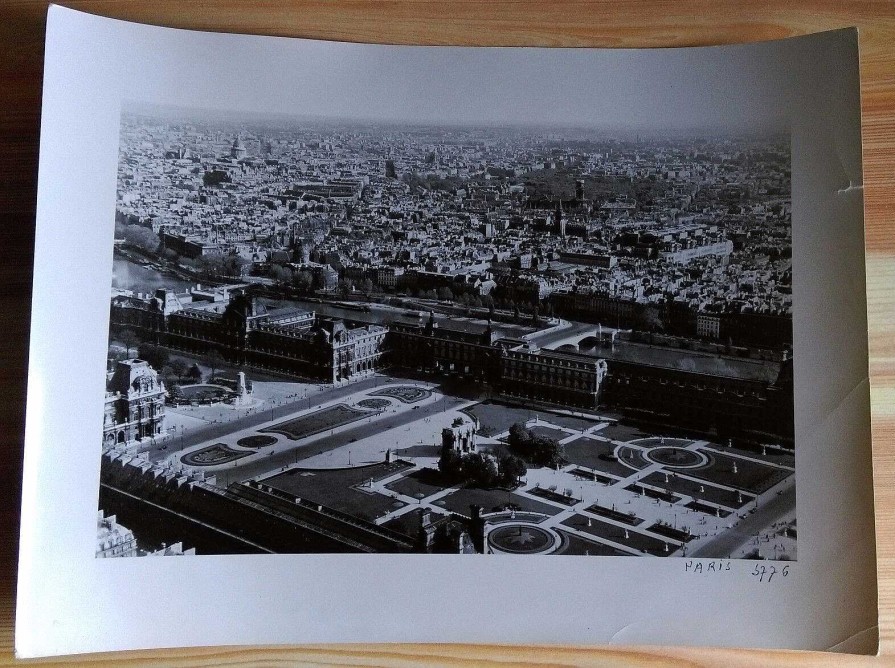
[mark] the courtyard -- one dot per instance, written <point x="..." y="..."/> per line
<point x="648" y="495"/>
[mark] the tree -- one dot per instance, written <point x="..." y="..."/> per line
<point x="511" y="468"/>
<point x="546" y="451"/>
<point x="303" y="281"/>
<point x="141" y="237"/>
<point x="155" y="355"/>
<point x="195" y="373"/>
<point x="450" y="464"/>
<point x="518" y="435"/>
<point x="479" y="469"/>
<point x="366" y="286"/>
<point x="129" y="338"/>
<point x="278" y="273"/>
<point x="178" y="367"/>
<point x="174" y="390"/>
<point x="232" y="265"/>
<point x="214" y="360"/>
<point x="211" y="266"/>
<point x="539" y="450"/>
<point x="649" y="318"/>
<point x="344" y="287"/>
<point x="445" y="294"/>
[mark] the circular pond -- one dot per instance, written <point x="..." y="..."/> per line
<point x="521" y="539"/>
<point x="676" y="458"/>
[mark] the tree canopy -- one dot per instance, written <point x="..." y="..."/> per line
<point x="533" y="448"/>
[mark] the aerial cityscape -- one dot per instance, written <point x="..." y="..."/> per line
<point x="345" y="336"/>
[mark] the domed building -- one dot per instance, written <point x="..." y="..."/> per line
<point x="238" y="150"/>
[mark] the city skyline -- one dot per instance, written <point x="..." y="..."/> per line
<point x="465" y="339"/>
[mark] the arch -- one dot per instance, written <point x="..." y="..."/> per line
<point x="588" y="342"/>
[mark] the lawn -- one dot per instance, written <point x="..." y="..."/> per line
<point x="663" y="442"/>
<point x="422" y="481"/>
<point x="409" y="394"/>
<point x="556" y="497"/>
<point x="374" y="404"/>
<point x="653" y="494"/>
<point x="616" y="534"/>
<point x="633" y="457"/>
<point x="213" y="455"/>
<point x="575" y="545"/>
<point x="616" y="515"/>
<point x="771" y="455"/>
<point x="595" y="454"/>
<point x="555" y="434"/>
<point x="622" y="432"/>
<point x="341" y="489"/>
<point x="256" y="441"/>
<point x="318" y="421"/>
<point x="750" y="476"/>
<point x="708" y="510"/>
<point x="491" y="500"/>
<point x="698" y="490"/>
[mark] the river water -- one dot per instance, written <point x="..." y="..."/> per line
<point x="127" y="275"/>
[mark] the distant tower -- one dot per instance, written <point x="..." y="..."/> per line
<point x="559" y="220"/>
<point x="237" y="151"/>
<point x="579" y="190"/>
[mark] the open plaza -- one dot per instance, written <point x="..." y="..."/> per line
<point x="370" y="449"/>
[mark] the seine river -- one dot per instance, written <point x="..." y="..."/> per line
<point x="129" y="276"/>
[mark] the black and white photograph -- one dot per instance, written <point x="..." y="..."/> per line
<point x="455" y="327"/>
<point x="585" y="327"/>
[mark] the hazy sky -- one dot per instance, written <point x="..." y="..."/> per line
<point x="719" y="87"/>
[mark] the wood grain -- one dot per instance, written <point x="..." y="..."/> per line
<point x="471" y="22"/>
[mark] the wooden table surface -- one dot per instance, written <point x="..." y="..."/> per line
<point x="505" y="22"/>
